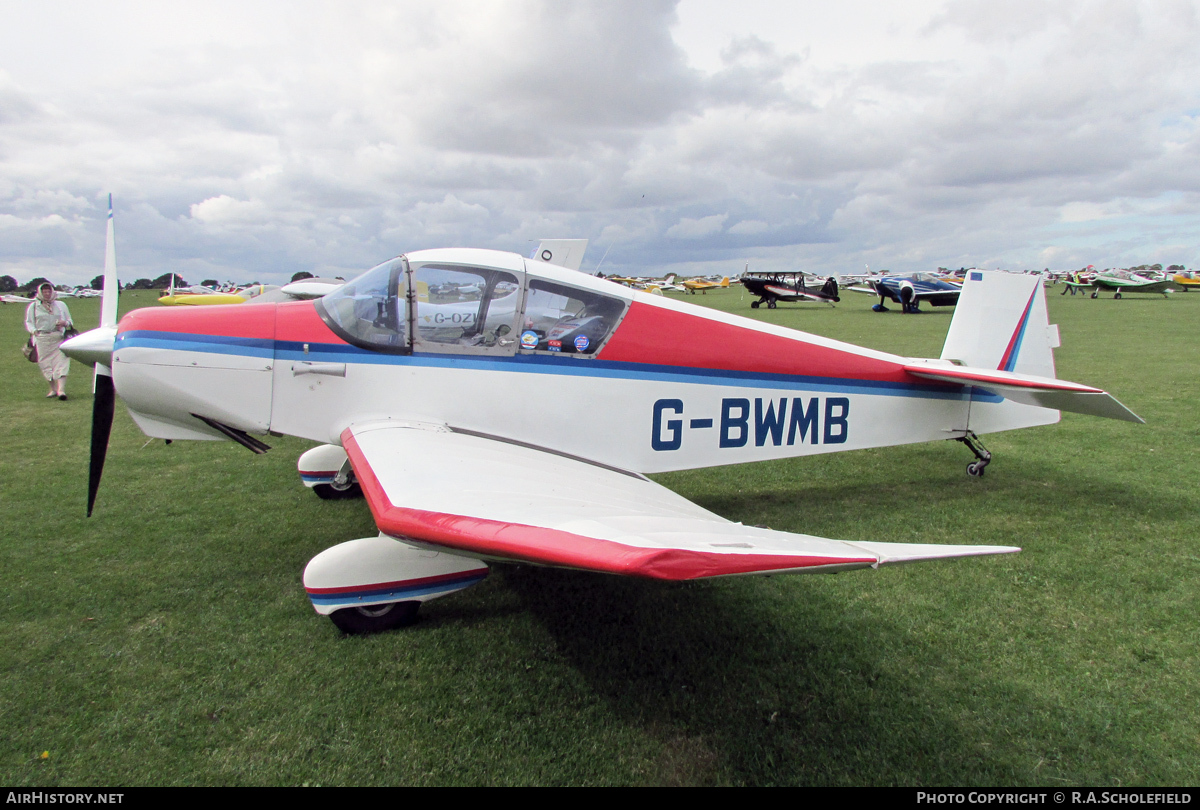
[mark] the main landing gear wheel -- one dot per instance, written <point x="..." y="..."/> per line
<point x="328" y="492"/>
<point x="975" y="469"/>
<point x="1095" y="295"/>
<point x="755" y="304"/>
<point x="771" y="304"/>
<point x="1118" y="295"/>
<point x="375" y="618"/>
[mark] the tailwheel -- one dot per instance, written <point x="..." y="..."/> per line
<point x="375" y="618"/>
<point x="982" y="456"/>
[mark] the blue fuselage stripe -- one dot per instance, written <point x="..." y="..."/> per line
<point x="541" y="364"/>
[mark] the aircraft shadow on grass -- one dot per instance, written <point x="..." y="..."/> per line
<point x="738" y="689"/>
<point x="791" y="687"/>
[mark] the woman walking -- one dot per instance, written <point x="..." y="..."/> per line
<point x="47" y="319"/>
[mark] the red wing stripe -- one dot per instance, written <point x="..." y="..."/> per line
<point x="546" y="546"/>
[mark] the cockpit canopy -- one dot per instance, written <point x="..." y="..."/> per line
<point x="446" y="306"/>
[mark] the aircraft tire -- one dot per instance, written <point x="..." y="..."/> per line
<point x="375" y="618"/>
<point x="771" y="304"/>
<point x="1095" y="295"/>
<point x="1118" y="295"/>
<point x="975" y="470"/>
<point x="754" y="304"/>
<point x="327" y="492"/>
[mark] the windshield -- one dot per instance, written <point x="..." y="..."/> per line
<point x="367" y="310"/>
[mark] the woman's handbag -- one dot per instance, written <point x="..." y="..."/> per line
<point x="70" y="332"/>
<point x="30" y="350"/>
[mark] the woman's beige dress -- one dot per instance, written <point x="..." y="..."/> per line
<point x="42" y="323"/>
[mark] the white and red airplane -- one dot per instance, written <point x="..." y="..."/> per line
<point x="524" y="432"/>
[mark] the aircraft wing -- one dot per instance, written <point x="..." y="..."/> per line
<point x="489" y="498"/>
<point x="788" y="292"/>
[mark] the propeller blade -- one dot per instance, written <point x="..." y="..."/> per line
<point x="104" y="399"/>
<point x="103" y="405"/>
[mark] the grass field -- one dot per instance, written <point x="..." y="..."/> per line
<point x="167" y="640"/>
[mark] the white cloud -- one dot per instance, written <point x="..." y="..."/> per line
<point x="688" y="228"/>
<point x="749" y="227"/>
<point x="225" y="210"/>
<point x="1083" y="212"/>
<point x="909" y="135"/>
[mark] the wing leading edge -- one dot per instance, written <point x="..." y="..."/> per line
<point x="488" y="498"/>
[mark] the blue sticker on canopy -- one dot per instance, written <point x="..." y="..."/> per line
<point x="529" y="339"/>
<point x="581" y="343"/>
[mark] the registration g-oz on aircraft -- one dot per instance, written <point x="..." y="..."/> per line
<point x="523" y="433"/>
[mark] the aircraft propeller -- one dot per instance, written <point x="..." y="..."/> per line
<point x="103" y="405"/>
<point x="96" y="348"/>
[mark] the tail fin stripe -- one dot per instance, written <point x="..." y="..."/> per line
<point x="1009" y="361"/>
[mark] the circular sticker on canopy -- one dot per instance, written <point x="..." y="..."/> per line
<point x="529" y="339"/>
<point x="581" y="343"/>
<point x="547" y="255"/>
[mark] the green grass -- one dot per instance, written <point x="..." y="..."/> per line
<point x="168" y="640"/>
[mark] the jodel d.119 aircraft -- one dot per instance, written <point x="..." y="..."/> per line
<point x="494" y="408"/>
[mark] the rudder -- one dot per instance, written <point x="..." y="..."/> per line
<point x="1001" y="322"/>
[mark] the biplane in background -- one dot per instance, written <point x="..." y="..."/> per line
<point x="525" y="431"/>
<point x="789" y="287"/>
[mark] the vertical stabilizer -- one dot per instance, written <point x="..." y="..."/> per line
<point x="1001" y="323"/>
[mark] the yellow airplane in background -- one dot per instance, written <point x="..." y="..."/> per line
<point x="258" y="293"/>
<point x="1187" y="280"/>
<point x="703" y="285"/>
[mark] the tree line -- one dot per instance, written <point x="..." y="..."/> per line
<point x="8" y="284"/>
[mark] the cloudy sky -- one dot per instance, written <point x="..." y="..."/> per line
<point x="249" y="140"/>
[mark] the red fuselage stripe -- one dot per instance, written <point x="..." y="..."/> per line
<point x="660" y="336"/>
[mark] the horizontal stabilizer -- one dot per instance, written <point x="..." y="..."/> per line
<point x="1028" y="389"/>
